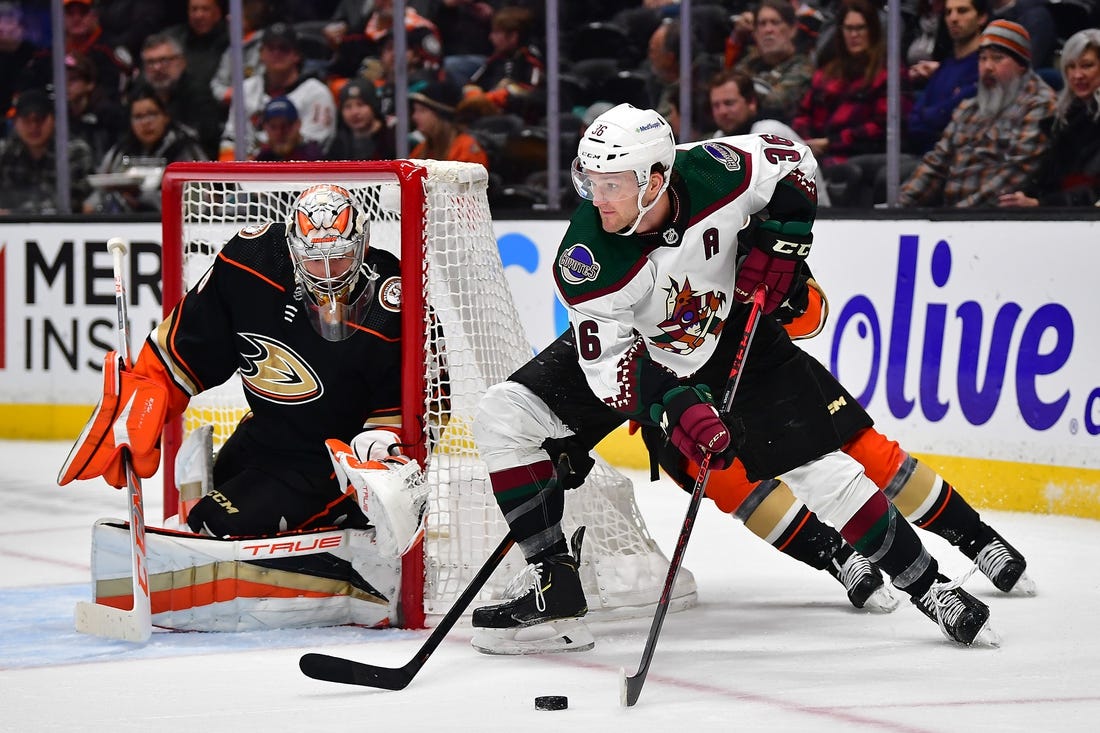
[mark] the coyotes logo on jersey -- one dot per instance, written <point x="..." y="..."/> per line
<point x="691" y="317"/>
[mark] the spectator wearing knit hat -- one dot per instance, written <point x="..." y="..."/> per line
<point x="1036" y="17"/>
<point x="362" y="133"/>
<point x="433" y="114"/>
<point x="995" y="139"/>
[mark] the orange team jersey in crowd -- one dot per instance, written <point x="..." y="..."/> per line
<point x="464" y="148"/>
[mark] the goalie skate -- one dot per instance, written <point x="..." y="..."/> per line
<point x="543" y="615"/>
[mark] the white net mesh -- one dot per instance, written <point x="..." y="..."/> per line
<point x="472" y="335"/>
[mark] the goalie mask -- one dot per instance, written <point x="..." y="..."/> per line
<point x="327" y="237"/>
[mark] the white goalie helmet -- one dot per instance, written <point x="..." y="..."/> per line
<point x="622" y="139"/>
<point x="327" y="237"/>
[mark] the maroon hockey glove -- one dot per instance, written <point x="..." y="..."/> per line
<point x="774" y="261"/>
<point x="693" y="425"/>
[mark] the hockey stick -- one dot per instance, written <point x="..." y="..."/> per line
<point x="337" y="669"/>
<point x="95" y="618"/>
<point x="630" y="686"/>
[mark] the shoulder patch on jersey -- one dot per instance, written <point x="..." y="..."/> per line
<point x="275" y="372"/>
<point x="389" y="295"/>
<point x="577" y="264"/>
<point x="254" y="230"/>
<point x="724" y="154"/>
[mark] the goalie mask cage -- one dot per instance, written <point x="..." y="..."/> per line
<point x="435" y="216"/>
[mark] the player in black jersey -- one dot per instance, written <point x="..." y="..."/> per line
<point x="309" y="314"/>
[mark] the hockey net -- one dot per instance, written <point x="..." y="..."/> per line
<point x="435" y="217"/>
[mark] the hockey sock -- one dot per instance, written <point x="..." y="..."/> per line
<point x="811" y="541"/>
<point x="533" y="505"/>
<point x="918" y="492"/>
<point x="878" y="533"/>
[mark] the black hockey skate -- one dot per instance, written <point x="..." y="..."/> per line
<point x="862" y="581"/>
<point x="549" y="597"/>
<point x="1003" y="564"/>
<point x="960" y="616"/>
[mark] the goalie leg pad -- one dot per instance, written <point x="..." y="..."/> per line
<point x="287" y="581"/>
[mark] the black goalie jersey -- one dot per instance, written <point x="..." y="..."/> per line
<point x="247" y="314"/>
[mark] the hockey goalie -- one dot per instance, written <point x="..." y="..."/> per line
<point x="302" y="517"/>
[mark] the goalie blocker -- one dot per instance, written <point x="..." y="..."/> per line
<point x="290" y="580"/>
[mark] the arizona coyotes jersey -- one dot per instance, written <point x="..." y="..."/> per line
<point x="247" y="314"/>
<point x="648" y="309"/>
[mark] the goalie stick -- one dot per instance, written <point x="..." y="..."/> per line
<point x="630" y="686"/>
<point x="94" y="618"/>
<point x="338" y="669"/>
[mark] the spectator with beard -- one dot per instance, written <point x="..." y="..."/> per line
<point x="187" y="99"/>
<point x="1069" y="172"/>
<point x="951" y="80"/>
<point x="995" y="139"/>
<point x="946" y="83"/>
<point x="780" y="72"/>
<point x="283" y="130"/>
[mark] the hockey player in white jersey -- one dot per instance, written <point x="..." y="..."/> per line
<point x="657" y="299"/>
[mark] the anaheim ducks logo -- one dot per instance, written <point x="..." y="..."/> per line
<point x="276" y="373"/>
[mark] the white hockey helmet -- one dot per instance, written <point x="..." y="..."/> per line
<point x="327" y="237"/>
<point x="625" y="138"/>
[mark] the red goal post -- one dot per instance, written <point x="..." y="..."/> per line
<point x="459" y="322"/>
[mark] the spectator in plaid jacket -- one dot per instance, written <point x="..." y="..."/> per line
<point x="844" y="111"/>
<point x="994" y="140"/>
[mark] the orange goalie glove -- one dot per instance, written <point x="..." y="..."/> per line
<point x="131" y="415"/>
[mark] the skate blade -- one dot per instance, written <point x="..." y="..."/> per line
<point x="1025" y="586"/>
<point x="882" y="600"/>
<point x="987" y="637"/>
<point x="566" y="635"/>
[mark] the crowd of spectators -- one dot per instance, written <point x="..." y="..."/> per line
<point x="999" y="104"/>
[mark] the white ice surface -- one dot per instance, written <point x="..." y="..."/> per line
<point x="772" y="645"/>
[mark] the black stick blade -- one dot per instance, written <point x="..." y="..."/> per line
<point x="345" y="671"/>
<point x="630" y="687"/>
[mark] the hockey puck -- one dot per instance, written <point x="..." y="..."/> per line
<point x="551" y="702"/>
